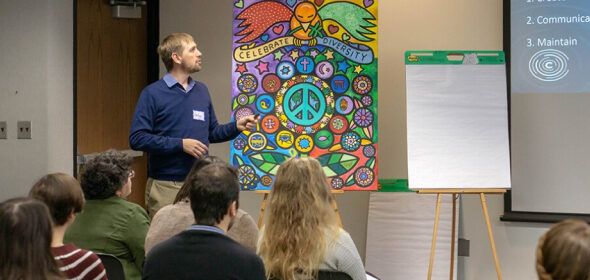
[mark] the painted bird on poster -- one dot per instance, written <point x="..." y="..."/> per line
<point x="305" y="21"/>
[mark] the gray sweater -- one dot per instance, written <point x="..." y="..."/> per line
<point x="175" y="218"/>
<point x="341" y="255"/>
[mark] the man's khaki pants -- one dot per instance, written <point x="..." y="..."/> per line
<point x="159" y="194"/>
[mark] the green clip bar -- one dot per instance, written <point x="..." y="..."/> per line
<point x="393" y="185"/>
<point x="425" y="57"/>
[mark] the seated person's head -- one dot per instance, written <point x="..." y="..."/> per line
<point x="300" y="216"/>
<point x="107" y="175"/>
<point x="184" y="192"/>
<point x="564" y="252"/>
<point x="25" y="246"/>
<point x="62" y="194"/>
<point x="301" y="187"/>
<point x="214" y="195"/>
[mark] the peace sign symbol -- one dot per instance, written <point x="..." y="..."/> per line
<point x="304" y="104"/>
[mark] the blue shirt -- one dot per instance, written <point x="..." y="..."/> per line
<point x="171" y="82"/>
<point x="207" y="228"/>
<point x="165" y="114"/>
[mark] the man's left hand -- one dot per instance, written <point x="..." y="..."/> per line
<point x="248" y="122"/>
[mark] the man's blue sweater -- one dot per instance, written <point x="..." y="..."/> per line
<point x="166" y="114"/>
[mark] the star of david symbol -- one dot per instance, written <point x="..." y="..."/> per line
<point x="285" y="70"/>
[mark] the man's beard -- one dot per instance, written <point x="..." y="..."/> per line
<point x="195" y="68"/>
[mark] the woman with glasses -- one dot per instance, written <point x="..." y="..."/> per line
<point x="108" y="222"/>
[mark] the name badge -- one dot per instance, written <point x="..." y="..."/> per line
<point x="198" y="115"/>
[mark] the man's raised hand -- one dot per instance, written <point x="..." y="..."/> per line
<point x="248" y="122"/>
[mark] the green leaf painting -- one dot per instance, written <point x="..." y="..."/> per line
<point x="335" y="164"/>
<point x="268" y="162"/>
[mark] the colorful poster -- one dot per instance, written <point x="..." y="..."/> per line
<point x="309" y="69"/>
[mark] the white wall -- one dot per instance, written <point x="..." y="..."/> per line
<point x="403" y="25"/>
<point x="36" y="84"/>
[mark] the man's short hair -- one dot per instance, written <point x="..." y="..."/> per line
<point x="212" y="191"/>
<point x="62" y="195"/>
<point x="173" y="43"/>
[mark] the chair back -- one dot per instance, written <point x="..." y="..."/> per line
<point x="333" y="275"/>
<point x="329" y="275"/>
<point x="112" y="266"/>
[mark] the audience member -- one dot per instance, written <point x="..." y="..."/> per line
<point x="109" y="223"/>
<point x="64" y="198"/>
<point x="204" y="251"/>
<point x="563" y="252"/>
<point x="175" y="218"/>
<point x="25" y="246"/>
<point x="302" y="234"/>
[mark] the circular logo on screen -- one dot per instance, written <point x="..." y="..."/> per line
<point x="549" y="65"/>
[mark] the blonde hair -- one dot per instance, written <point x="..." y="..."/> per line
<point x="173" y="43"/>
<point x="301" y="221"/>
<point x="563" y="252"/>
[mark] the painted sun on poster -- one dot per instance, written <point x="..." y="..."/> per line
<point x="309" y="69"/>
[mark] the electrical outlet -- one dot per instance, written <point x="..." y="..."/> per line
<point x="463" y="248"/>
<point x="3" y="130"/>
<point x="23" y="130"/>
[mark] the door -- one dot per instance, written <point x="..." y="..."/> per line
<point x="111" y="70"/>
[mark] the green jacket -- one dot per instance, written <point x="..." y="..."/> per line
<point x="112" y="226"/>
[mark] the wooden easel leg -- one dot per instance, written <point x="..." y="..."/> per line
<point x="453" y="231"/>
<point x="484" y="207"/>
<point x="335" y="206"/>
<point x="434" y="234"/>
<point x="262" y="209"/>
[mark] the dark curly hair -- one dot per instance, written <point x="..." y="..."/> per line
<point x="105" y="174"/>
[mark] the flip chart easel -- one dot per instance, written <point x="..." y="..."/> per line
<point x="484" y="207"/>
<point x="265" y="195"/>
<point x="457" y="131"/>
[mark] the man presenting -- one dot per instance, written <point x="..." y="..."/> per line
<point x="174" y="121"/>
